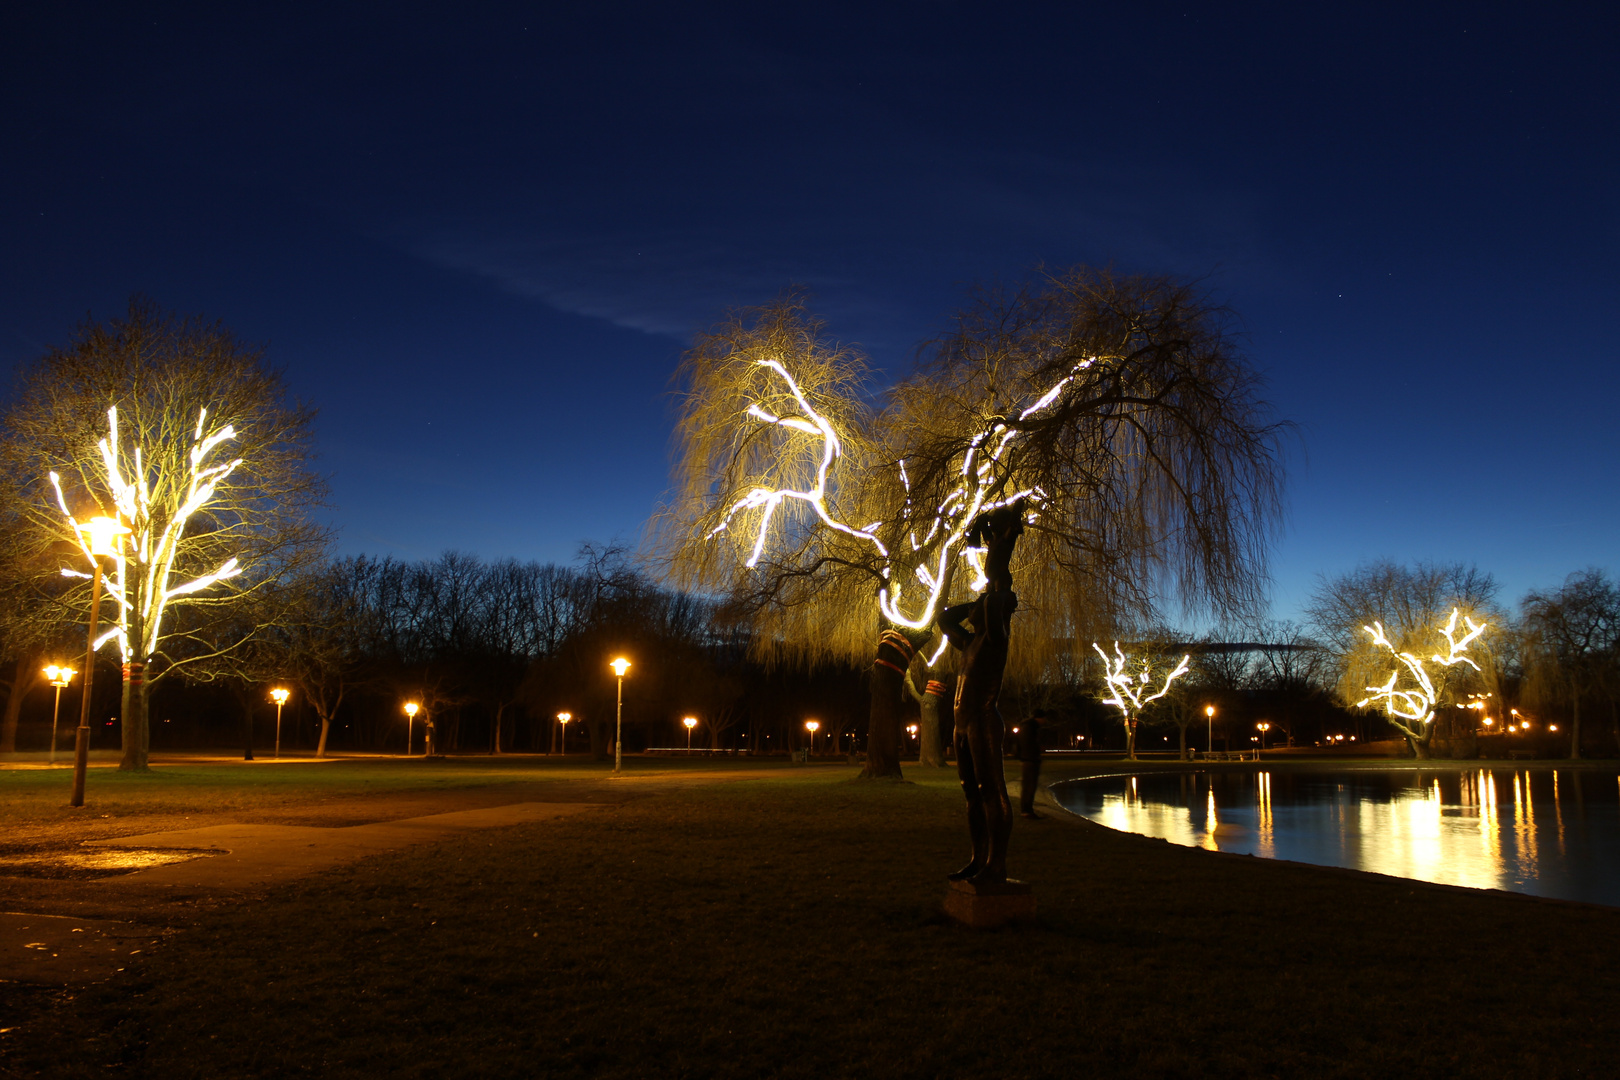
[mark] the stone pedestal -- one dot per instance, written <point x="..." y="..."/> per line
<point x="984" y="906"/>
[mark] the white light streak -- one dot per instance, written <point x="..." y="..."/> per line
<point x="985" y="471"/>
<point x="1128" y="689"/>
<point x="146" y="556"/>
<point x="1416" y="703"/>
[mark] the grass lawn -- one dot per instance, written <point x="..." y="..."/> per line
<point x="789" y="925"/>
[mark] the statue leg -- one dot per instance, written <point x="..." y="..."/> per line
<point x="975" y="807"/>
<point x="997" y="807"/>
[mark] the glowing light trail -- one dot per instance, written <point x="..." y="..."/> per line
<point x="983" y="470"/>
<point x="1128" y="689"/>
<point x="1417" y="704"/>
<point x="154" y="548"/>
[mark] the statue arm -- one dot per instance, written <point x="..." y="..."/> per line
<point x="950" y="624"/>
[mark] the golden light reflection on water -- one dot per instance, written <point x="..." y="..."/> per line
<point x="1458" y="827"/>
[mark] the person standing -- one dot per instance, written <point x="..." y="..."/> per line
<point x="1029" y="752"/>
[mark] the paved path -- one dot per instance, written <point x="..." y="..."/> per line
<point x="52" y="949"/>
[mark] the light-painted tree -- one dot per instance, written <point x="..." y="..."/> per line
<point x="1416" y="685"/>
<point x="186" y="438"/>
<point x="1408" y="603"/>
<point x="1131" y="686"/>
<point x="1118" y="407"/>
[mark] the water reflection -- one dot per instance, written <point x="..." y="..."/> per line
<point x="1547" y="832"/>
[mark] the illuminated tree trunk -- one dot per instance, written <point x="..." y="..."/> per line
<point x="134" y="725"/>
<point x="931" y="750"/>
<point x="883" y="725"/>
<point x="135" y="721"/>
<point x="883" y="730"/>
<point x="1130" y="738"/>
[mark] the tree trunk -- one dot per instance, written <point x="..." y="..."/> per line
<point x="883" y="727"/>
<point x="22" y="681"/>
<point x="326" y="728"/>
<point x="1575" y="727"/>
<point x="932" y="745"/>
<point x="135" y="726"/>
<point x="1183" y="742"/>
<point x="930" y="739"/>
<point x="1130" y="739"/>
<point x="246" y="701"/>
<point x="495" y="736"/>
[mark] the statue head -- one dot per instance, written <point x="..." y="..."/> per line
<point x="997" y="531"/>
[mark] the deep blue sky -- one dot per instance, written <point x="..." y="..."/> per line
<point x="479" y="241"/>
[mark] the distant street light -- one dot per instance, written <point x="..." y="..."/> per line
<point x="619" y="666"/>
<point x="690" y="722"/>
<point x="279" y="696"/>
<point x="60" y="677"/>
<point x="812" y="726"/>
<point x="1264" y="727"/>
<point x="411" y="708"/>
<point x="1209" y="717"/>
<point x="563" y="718"/>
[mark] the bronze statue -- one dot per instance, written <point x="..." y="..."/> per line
<point x="979" y="728"/>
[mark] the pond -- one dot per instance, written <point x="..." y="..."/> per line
<point x="1549" y="832"/>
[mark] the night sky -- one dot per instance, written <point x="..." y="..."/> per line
<point x="478" y="236"/>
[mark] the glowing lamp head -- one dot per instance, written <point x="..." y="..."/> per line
<point x="102" y="533"/>
<point x="59" y="676"/>
<point x="620" y="666"/>
<point x="279" y="695"/>
<point x="812" y="726"/>
<point x="690" y="722"/>
<point x="1552" y="727"/>
<point x="411" y="709"/>
<point x="1263" y="726"/>
<point x="1209" y="710"/>
<point x="564" y="717"/>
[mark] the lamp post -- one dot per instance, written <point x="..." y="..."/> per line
<point x="1264" y="727"/>
<point x="619" y="666"/>
<point x="812" y="726"/>
<point x="279" y="696"/>
<point x="60" y="677"/>
<point x="103" y="533"/>
<point x="563" y="718"/>
<point x="690" y="722"/>
<point x="411" y="708"/>
<point x="1209" y="718"/>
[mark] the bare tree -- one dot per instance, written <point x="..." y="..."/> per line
<point x="1121" y="407"/>
<point x="1573" y="642"/>
<point x="186" y="436"/>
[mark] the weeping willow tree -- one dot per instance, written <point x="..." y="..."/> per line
<point x="1118" y="409"/>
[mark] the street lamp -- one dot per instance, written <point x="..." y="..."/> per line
<point x="60" y="677"/>
<point x="812" y="726"/>
<point x="619" y="666"/>
<point x="101" y="537"/>
<point x="690" y="722"/>
<point x="279" y="696"/>
<point x="563" y="718"/>
<point x="411" y="708"/>
<point x="1209" y="718"/>
<point x="1264" y="727"/>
